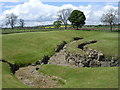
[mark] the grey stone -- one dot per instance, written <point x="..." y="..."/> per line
<point x="94" y="63"/>
<point x="71" y="61"/>
<point x="105" y="64"/>
<point x="81" y="65"/>
<point x="100" y="56"/>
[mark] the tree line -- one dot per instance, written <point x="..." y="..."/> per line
<point x="75" y="17"/>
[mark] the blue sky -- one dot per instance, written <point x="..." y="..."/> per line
<point x="45" y="12"/>
<point x="8" y="5"/>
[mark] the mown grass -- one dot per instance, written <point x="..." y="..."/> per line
<point x="0" y="75"/>
<point x="0" y="62"/>
<point x="25" y="48"/>
<point x="30" y="47"/>
<point x="107" y="43"/>
<point x="106" y="77"/>
<point x="11" y="31"/>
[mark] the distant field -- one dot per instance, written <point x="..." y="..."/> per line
<point x="9" y="31"/>
<point x="52" y="28"/>
<point x="25" y="48"/>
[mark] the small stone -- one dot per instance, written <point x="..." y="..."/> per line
<point x="33" y="65"/>
<point x="71" y="61"/>
<point x="100" y="56"/>
<point x="94" y="63"/>
<point x="105" y="64"/>
<point x="81" y="65"/>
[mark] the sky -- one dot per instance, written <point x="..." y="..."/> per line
<point x="44" y="12"/>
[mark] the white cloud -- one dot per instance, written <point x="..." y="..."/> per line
<point x="94" y="14"/>
<point x="8" y="6"/>
<point x="40" y="13"/>
<point x="107" y="7"/>
<point x="13" y="0"/>
<point x="34" y="10"/>
<point x="68" y="6"/>
<point x="35" y="23"/>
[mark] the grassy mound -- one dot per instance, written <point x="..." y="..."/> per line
<point x="106" y="77"/>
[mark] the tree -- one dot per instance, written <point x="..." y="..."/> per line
<point x="109" y="17"/>
<point x="63" y="16"/>
<point x="11" y="20"/>
<point x="21" y="22"/>
<point x="77" y="18"/>
<point x="57" y="24"/>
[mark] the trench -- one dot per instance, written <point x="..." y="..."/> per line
<point x="81" y="46"/>
<point x="13" y="67"/>
<point x="30" y="76"/>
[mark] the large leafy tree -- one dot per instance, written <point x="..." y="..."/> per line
<point x="77" y="19"/>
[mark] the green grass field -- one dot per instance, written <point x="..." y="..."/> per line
<point x="106" y="43"/>
<point x="0" y="62"/>
<point x="0" y="75"/>
<point x="84" y="77"/>
<point x="25" y="48"/>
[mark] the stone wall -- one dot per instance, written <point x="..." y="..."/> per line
<point x="91" y="58"/>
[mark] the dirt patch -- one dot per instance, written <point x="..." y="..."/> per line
<point x="31" y="77"/>
<point x="60" y="59"/>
